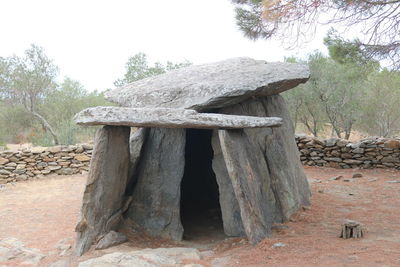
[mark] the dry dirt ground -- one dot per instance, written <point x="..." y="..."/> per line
<point x="40" y="213"/>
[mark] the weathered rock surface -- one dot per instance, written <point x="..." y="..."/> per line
<point x="118" y="259"/>
<point x="146" y="258"/>
<point x="249" y="176"/>
<point x="136" y="142"/>
<point x="35" y="163"/>
<point x="155" y="206"/>
<point x="287" y="174"/>
<point x="392" y="144"/>
<point x="64" y="246"/>
<point x="3" y="161"/>
<point x="368" y="153"/>
<point x="231" y="218"/>
<point x="169" y="118"/>
<point x="60" y="263"/>
<point x="211" y="86"/>
<point x="105" y="187"/>
<point x="289" y="187"/>
<point x="13" y="249"/>
<point x="111" y="239"/>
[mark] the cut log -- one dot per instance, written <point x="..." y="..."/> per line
<point x="247" y="169"/>
<point x="155" y="206"/>
<point x="351" y="229"/>
<point x="232" y="221"/>
<point x="105" y="186"/>
<point x="169" y="118"/>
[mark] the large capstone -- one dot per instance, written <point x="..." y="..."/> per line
<point x="169" y="118"/>
<point x="210" y="86"/>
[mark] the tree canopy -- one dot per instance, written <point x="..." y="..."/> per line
<point x="40" y="109"/>
<point x="294" y="21"/>
<point x="348" y="91"/>
<point x="137" y="68"/>
<point x="28" y="80"/>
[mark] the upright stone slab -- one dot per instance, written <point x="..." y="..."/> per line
<point x="248" y="172"/>
<point x="231" y="218"/>
<point x="289" y="183"/>
<point x="105" y="186"/>
<point x="292" y="188"/>
<point x="136" y="142"/>
<point x="155" y="206"/>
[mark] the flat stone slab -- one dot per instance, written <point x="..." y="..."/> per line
<point x="147" y="258"/>
<point x="209" y="86"/>
<point x="170" y="118"/>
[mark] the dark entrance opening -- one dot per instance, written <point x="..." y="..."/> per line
<point x="200" y="209"/>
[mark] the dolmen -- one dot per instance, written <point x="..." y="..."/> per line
<point x="215" y="135"/>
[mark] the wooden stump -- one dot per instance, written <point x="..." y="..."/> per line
<point x="351" y="229"/>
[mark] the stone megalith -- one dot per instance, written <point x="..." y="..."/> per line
<point x="245" y="160"/>
<point x="105" y="186"/>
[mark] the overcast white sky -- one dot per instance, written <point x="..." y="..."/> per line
<point x="90" y="40"/>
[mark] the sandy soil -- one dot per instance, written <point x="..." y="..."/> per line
<point x="42" y="212"/>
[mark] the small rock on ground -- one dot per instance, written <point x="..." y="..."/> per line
<point x="64" y="246"/>
<point x="60" y="263"/>
<point x="221" y="262"/>
<point x="338" y="177"/>
<point x="278" y="245"/>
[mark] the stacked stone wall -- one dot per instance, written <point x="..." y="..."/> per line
<point x="336" y="153"/>
<point x="339" y="153"/>
<point x="38" y="162"/>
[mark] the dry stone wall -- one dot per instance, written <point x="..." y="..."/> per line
<point x="38" y="162"/>
<point x="339" y="153"/>
<point x="335" y="153"/>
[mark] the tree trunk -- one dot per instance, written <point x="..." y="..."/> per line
<point x="46" y="125"/>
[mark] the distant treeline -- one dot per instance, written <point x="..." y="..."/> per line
<point x="35" y="108"/>
<point x="347" y="90"/>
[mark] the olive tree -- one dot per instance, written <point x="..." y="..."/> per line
<point x="27" y="81"/>
<point x="137" y="67"/>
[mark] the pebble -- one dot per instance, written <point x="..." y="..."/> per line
<point x="393" y="182"/>
<point x="335" y="178"/>
<point x="278" y="245"/>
